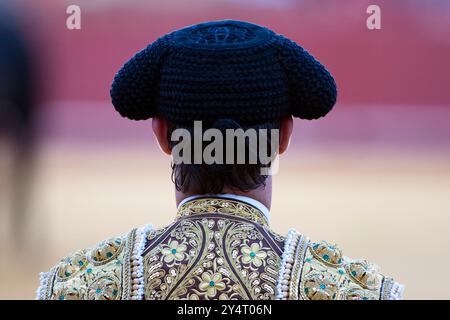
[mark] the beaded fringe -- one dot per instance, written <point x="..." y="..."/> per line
<point x="391" y="290"/>
<point x="137" y="264"/>
<point x="396" y="291"/>
<point x="287" y="260"/>
<point x="43" y="282"/>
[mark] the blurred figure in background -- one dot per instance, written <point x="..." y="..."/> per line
<point x="16" y="122"/>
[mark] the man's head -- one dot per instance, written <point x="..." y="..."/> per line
<point x="227" y="75"/>
<point x="222" y="176"/>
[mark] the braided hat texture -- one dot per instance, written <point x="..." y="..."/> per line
<point x="223" y="69"/>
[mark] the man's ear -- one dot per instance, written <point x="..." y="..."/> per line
<point x="286" y="126"/>
<point x="160" y="127"/>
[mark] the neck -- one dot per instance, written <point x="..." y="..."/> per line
<point x="262" y="194"/>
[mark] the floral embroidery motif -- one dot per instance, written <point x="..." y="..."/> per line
<point x="217" y="249"/>
<point x="174" y="251"/>
<point x="221" y="256"/>
<point x="211" y="283"/>
<point x="253" y="255"/>
<point x="104" y="288"/>
<point x="320" y="286"/>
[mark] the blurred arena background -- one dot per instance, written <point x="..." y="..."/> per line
<point x="374" y="176"/>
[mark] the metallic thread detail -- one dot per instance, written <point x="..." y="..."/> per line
<point x="44" y="290"/>
<point x="319" y="286"/>
<point x="328" y="253"/>
<point x="106" y="251"/>
<point x="298" y="268"/>
<point x="221" y="206"/>
<point x="364" y="273"/>
<point x="105" y="277"/>
<point x="126" y="282"/>
<point x="71" y="265"/>
<point x="356" y="293"/>
<point x="67" y="293"/>
<point x="104" y="288"/>
<point x="391" y="290"/>
<point x="43" y="281"/>
<point x="327" y="274"/>
<point x="212" y="257"/>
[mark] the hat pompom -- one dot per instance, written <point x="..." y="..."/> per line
<point x="312" y="89"/>
<point x="135" y="88"/>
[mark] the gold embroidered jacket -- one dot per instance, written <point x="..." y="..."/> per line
<point x="216" y="249"/>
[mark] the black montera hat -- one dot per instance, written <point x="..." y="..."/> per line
<point x="223" y="69"/>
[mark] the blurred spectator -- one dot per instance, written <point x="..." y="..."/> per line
<point x="16" y="119"/>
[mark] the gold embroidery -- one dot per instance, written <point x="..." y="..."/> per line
<point x="297" y="267"/>
<point x="104" y="288"/>
<point x="211" y="258"/>
<point x="326" y="274"/>
<point x="101" y="273"/>
<point x="49" y="283"/>
<point x="320" y="286"/>
<point x="356" y="293"/>
<point x="126" y="279"/>
<point x="231" y="253"/>
<point x="156" y="232"/>
<point x="71" y="265"/>
<point x="327" y="253"/>
<point x="66" y="293"/>
<point x="226" y="206"/>
<point x="364" y="273"/>
<point x="106" y="251"/>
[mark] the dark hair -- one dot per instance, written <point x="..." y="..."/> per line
<point x="214" y="178"/>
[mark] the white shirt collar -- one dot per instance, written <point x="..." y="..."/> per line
<point x="255" y="203"/>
